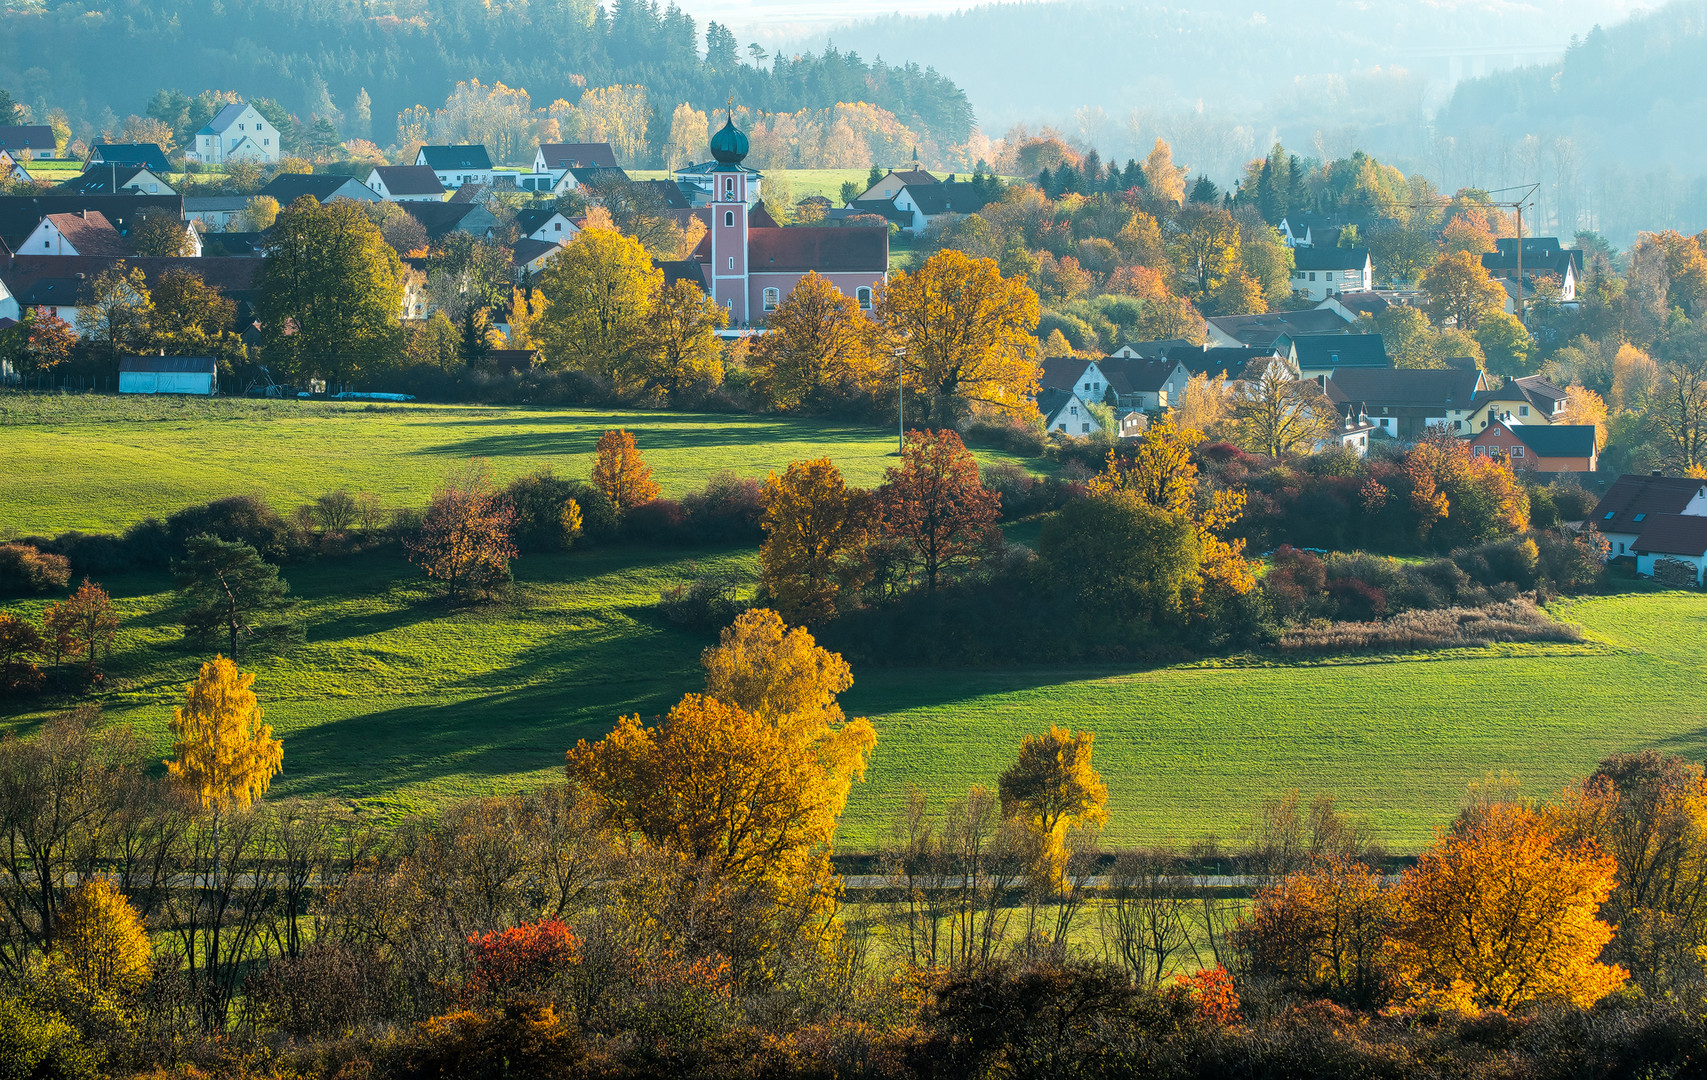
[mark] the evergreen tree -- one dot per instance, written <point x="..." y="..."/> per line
<point x="230" y="589"/>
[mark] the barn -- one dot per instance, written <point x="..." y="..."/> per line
<point x="169" y="375"/>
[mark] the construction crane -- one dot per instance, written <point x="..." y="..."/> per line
<point x="1517" y="206"/>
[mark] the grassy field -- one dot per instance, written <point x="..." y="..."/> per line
<point x="101" y="463"/>
<point x="396" y="702"/>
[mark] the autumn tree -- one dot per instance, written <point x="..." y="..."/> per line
<point x="815" y="348"/>
<point x="119" y="310"/>
<point x="222" y="755"/>
<point x="21" y="645"/>
<point x="621" y="473"/>
<point x="229" y="588"/>
<point x="47" y="341"/>
<point x="161" y="235"/>
<point x="330" y="293"/>
<point x="1678" y="408"/>
<point x="1324" y="930"/>
<point x="1121" y="559"/>
<point x="1052" y="787"/>
<point x="1460" y="289"/>
<point x="82" y="624"/>
<point x="815" y="533"/>
<point x="1502" y="911"/>
<point x="1278" y="414"/>
<point x="936" y="504"/>
<point x="466" y="536"/>
<point x="1205" y="249"/>
<point x="259" y="213"/>
<point x="101" y="939"/>
<point x="1459" y="498"/>
<point x="600" y="288"/>
<point x="1586" y="408"/>
<point x="192" y="316"/>
<point x="962" y="334"/>
<point x="681" y="346"/>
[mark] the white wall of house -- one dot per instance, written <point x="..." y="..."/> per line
<point x="556" y="229"/>
<point x="1074" y="418"/>
<point x="220" y="146"/>
<point x="1318" y="285"/>
<point x="46" y="240"/>
<point x="376" y="183"/>
<point x="1645" y="563"/>
<point x="455" y="178"/>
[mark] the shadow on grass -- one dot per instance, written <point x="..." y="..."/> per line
<point x="540" y="443"/>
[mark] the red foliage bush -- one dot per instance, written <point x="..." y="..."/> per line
<point x="520" y="960"/>
<point x="25" y="571"/>
<point x="1213" y="993"/>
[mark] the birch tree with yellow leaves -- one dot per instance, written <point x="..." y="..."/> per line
<point x="222" y="755"/>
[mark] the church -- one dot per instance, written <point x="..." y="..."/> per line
<point x="746" y="262"/>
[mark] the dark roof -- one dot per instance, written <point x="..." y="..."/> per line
<point x="472" y="156"/>
<point x="951" y="197"/>
<point x="1061" y="372"/>
<point x="409" y="180"/>
<point x="1361" y="303"/>
<point x="576" y="155"/>
<point x="1633" y="494"/>
<point x="1341" y="351"/>
<point x="1673" y="534"/>
<point x="1136" y="376"/>
<point x="681" y="270"/>
<point x="100" y="181"/>
<point x="1556" y="440"/>
<point x="533" y="217"/>
<point x="1218" y="362"/>
<point x="1540" y="253"/>
<point x="1050" y="401"/>
<point x="90" y="234"/>
<point x="240" y="245"/>
<point x="527" y="251"/>
<point x="510" y="360"/>
<point x="30" y="137"/>
<point x="438" y="218"/>
<point x="205" y="365"/>
<point x="847" y="250"/>
<point x="760" y="218"/>
<point x="670" y="191"/>
<point x="20" y="214"/>
<point x="883" y="208"/>
<point x="1156" y="349"/>
<point x="289" y="187"/>
<point x="1263" y="330"/>
<point x="225" y="117"/>
<point x="597" y="174"/>
<point x="66" y="280"/>
<point x="1329" y="258"/>
<point x="1401" y="388"/>
<point x="148" y="155"/>
<point x="1530" y="389"/>
<point x="911" y="177"/>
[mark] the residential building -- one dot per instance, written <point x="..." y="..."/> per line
<point x="64" y="283"/>
<point x="406" y="183"/>
<point x="1068" y="413"/>
<point x="1554" y="448"/>
<point x="144" y="155"/>
<point x="1529" y="400"/>
<point x="1325" y="354"/>
<point x="12" y="168"/>
<point x="115" y="179"/>
<point x="1673" y="538"/>
<point x="558" y="158"/>
<point x="1309" y="230"/>
<point x="442" y="218"/>
<point x="1150" y="350"/>
<point x="1225" y="362"/>
<point x="219" y="212"/>
<point x="915" y="206"/>
<point x="1634" y="501"/>
<point x="1149" y="385"/>
<point x="1321" y="272"/>
<point x="85" y="233"/>
<point x="1541" y="255"/>
<point x="1264" y="330"/>
<point x="545" y="223"/>
<point x="1352" y="430"/>
<point x="29" y="142"/>
<point x="892" y="183"/>
<point x="1404" y="403"/>
<point x="457" y="165"/>
<point x="237" y="133"/>
<point x="195" y="375"/>
<point x="289" y="187"/>
<point x="530" y="256"/>
<point x="20" y="215"/>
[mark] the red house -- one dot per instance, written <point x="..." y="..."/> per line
<point x="1553" y="448"/>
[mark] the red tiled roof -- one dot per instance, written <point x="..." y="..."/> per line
<point x="90" y="233"/>
<point x="798" y="250"/>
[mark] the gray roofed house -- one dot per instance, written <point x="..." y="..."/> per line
<point x="466" y="157"/>
<point x="1634" y="499"/>
<point x="289" y="187"/>
<point x="1530" y="400"/>
<point x="28" y="141"/>
<point x="674" y="198"/>
<point x="147" y="155"/>
<point x="1221" y="361"/>
<point x="115" y="180"/>
<point x="1326" y="354"/>
<point x="1405" y="402"/>
<point x="1263" y="330"/>
<point x="1540" y="255"/>
<point x="405" y="183"/>
<point x="1150" y="350"/>
<point x="20" y="214"/>
<point x="1321" y="272"/>
<point x="532" y="255"/>
<point x="559" y="157"/>
<point x="439" y="218"/>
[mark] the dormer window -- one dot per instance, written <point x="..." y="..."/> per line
<point x="1638" y="517"/>
<point x="1612" y="514"/>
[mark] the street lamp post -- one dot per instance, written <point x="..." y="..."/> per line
<point x="900" y="409"/>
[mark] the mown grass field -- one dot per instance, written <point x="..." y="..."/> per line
<point x="101" y="463"/>
<point x="396" y="702"/>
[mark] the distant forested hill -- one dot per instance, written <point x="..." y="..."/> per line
<point x="1633" y="92"/>
<point x="315" y="56"/>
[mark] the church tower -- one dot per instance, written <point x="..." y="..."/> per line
<point x="729" y="282"/>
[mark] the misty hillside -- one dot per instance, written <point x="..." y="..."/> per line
<point x="1630" y="94"/>
<point x="1031" y="62"/>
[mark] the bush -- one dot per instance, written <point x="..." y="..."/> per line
<point x="729" y="510"/>
<point x="539" y="500"/>
<point x="703" y="605"/>
<point x="660" y="521"/>
<point x="1513" y="620"/>
<point x="25" y="571"/>
<point x="1516" y="562"/>
<point x="1356" y="600"/>
<point x="236" y="519"/>
<point x="41" y="1046"/>
<point x="1024" y="439"/>
<point x="1296" y="585"/>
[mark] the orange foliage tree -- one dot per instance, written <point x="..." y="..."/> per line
<point x="518" y="962"/>
<point x="1503" y="910"/>
<point x="83" y="623"/>
<point x="937" y="505"/>
<point x="1323" y="930"/>
<point x="466" y="538"/>
<point x="1462" y="497"/>
<point x="815" y="533"/>
<point x="621" y="473"/>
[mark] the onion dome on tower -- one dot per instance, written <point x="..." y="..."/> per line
<point x="729" y="145"/>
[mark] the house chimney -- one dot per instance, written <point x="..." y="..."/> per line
<point x="84" y="213"/>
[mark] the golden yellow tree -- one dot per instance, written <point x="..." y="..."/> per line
<point x="1504" y="910"/>
<point x="601" y="288"/>
<point x="223" y="755"/>
<point x="681" y="346"/>
<point x="1584" y="406"/>
<point x="963" y="335"/>
<point x="101" y="939"/>
<point x="815" y="531"/>
<point x="1460" y="289"/>
<point x="1323" y="929"/>
<point x="779" y="675"/>
<point x="1053" y="787"/>
<point x="815" y="348"/>
<point x="621" y="473"/>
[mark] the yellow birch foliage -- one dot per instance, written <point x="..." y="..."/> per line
<point x="101" y="939"/>
<point x="1052" y="788"/>
<point x="222" y="753"/>
<point x="1584" y="406"/>
<point x="1502" y="911"/>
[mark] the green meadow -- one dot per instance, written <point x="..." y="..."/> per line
<point x="396" y="702"/>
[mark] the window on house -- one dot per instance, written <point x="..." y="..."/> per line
<point x="1517" y="451"/>
<point x="728" y="217"/>
<point x="1610" y="514"/>
<point x="771" y="297"/>
<point x="1638" y="517"/>
<point x="1084" y="429"/>
<point x="557" y="226"/>
<point x="1523" y="410"/>
<point x="729" y="188"/>
<point x="1620" y="543"/>
<point x="1481" y="451"/>
<point x="1073" y="410"/>
<point x="864" y="296"/>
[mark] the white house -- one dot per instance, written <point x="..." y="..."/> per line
<point x="532" y="255"/>
<point x="1678" y="538"/>
<point x="215" y="211"/>
<point x="85" y="233"/>
<point x="1321" y="272"/>
<point x="1065" y="411"/>
<point x="238" y="133"/>
<point x="457" y="165"/>
<point x="1634" y="502"/>
<point x="545" y="224"/>
<point x="1352" y="432"/>
<point x="406" y="183"/>
<point x="11" y="168"/>
<point x="115" y="179"/>
<point x="197" y="375"/>
<point x="29" y="142"/>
